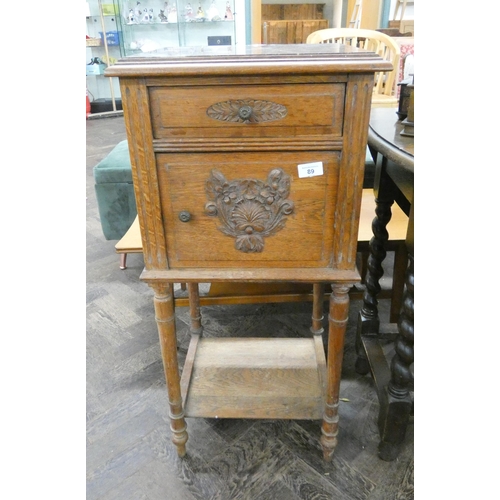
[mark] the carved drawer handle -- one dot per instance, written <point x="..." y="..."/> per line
<point x="247" y="111"/>
<point x="184" y="216"/>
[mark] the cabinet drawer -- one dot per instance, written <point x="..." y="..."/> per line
<point x="248" y="111"/>
<point x="268" y="216"/>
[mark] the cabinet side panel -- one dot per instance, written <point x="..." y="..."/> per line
<point x="142" y="158"/>
<point x="357" y="115"/>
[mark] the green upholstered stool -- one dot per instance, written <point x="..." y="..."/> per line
<point x="115" y="192"/>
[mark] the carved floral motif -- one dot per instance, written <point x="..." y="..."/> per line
<point x="249" y="209"/>
<point x="247" y="111"/>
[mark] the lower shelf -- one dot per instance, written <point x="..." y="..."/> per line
<point x="275" y="378"/>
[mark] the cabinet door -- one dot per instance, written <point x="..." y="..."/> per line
<point x="249" y="209"/>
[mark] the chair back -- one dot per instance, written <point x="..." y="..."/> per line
<point x="384" y="91"/>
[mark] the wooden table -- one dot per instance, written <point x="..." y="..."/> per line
<point x="393" y="183"/>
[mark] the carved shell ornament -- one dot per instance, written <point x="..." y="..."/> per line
<point x="249" y="209"/>
<point x="247" y="111"/>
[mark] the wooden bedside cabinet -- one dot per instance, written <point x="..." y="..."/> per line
<point x="248" y="165"/>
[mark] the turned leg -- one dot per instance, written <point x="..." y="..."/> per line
<point x="194" y="308"/>
<point x="165" y="319"/>
<point x="395" y="411"/>
<point x="337" y="322"/>
<point x="317" y="314"/>
<point x="123" y="261"/>
<point x="368" y="318"/>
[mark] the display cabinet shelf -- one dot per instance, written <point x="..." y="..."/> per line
<point x="101" y="25"/>
<point x="153" y="25"/>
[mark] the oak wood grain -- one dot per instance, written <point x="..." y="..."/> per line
<point x="311" y="109"/>
<point x="256" y="378"/>
<point x="241" y="209"/>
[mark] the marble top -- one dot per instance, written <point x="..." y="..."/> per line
<point x="244" y="58"/>
<point x="250" y="51"/>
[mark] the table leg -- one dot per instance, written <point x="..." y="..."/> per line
<point x="165" y="320"/>
<point x="368" y="318"/>
<point x="337" y="321"/>
<point x="396" y="409"/>
<point x="194" y="308"/>
<point x="317" y="315"/>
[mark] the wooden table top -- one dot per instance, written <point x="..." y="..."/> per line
<point x="385" y="136"/>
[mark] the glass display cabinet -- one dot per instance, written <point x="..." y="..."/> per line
<point x="150" y="25"/>
<point x="102" y="50"/>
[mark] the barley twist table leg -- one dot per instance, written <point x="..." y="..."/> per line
<point x="165" y="320"/>
<point x="395" y="412"/>
<point x="368" y="319"/>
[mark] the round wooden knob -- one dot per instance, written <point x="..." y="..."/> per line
<point x="245" y="112"/>
<point x="184" y="216"/>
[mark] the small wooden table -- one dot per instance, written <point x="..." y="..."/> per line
<point x="247" y="165"/>
<point x="393" y="183"/>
